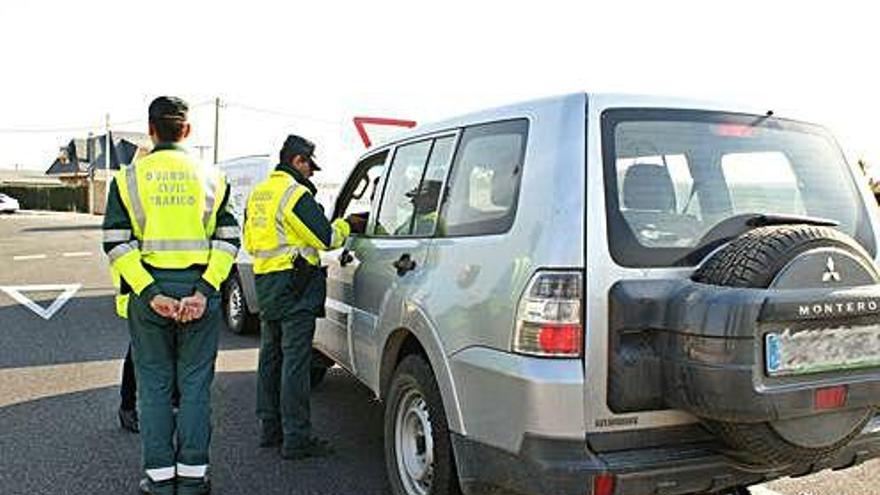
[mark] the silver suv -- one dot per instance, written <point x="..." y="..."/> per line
<point x="609" y="295"/>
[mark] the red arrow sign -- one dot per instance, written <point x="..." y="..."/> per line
<point x="359" y="123"/>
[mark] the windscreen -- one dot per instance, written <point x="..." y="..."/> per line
<point x="675" y="178"/>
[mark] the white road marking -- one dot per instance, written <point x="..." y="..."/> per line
<point x="78" y="254"/>
<point x="19" y="385"/>
<point x="29" y="257"/>
<point x="760" y="490"/>
<point x="15" y="292"/>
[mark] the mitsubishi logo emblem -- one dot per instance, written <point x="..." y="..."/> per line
<point x="830" y="275"/>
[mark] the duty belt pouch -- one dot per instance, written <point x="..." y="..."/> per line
<point x="303" y="273"/>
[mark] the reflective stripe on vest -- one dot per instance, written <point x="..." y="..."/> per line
<point x="228" y="232"/>
<point x="289" y="251"/>
<point x="283" y="241"/>
<point x="135" y="203"/>
<point x="121" y="250"/>
<point x="119" y="235"/>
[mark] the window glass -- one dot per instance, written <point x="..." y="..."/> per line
<point x="426" y="200"/>
<point x="681" y="182"/>
<point x="396" y="210"/>
<point x="365" y="186"/>
<point x="486" y="173"/>
<point x="685" y="199"/>
<point x="762" y="181"/>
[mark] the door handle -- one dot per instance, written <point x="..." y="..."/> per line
<point x="404" y="264"/>
<point x="345" y="257"/>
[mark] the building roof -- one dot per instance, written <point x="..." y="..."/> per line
<point x="80" y="156"/>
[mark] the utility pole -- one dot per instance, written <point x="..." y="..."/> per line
<point x="91" y="172"/>
<point x="107" y="145"/>
<point x="216" y="130"/>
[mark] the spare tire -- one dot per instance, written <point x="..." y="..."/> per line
<point x="785" y="257"/>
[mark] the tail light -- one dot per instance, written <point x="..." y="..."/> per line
<point x="603" y="484"/>
<point x="548" y="319"/>
<point x="829" y="398"/>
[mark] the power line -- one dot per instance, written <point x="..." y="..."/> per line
<point x="51" y="130"/>
<point x="96" y="127"/>
<point x="280" y="114"/>
<point x="83" y="128"/>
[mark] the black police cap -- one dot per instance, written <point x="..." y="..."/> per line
<point x="298" y="145"/>
<point x="168" y="107"/>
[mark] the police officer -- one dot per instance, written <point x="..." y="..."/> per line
<point x="169" y="234"/>
<point x="284" y="230"/>
<point x="424" y="199"/>
<point x="128" y="419"/>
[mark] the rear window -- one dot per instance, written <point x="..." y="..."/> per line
<point x="673" y="177"/>
<point x="485" y="179"/>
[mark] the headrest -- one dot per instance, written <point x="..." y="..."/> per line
<point x="648" y="187"/>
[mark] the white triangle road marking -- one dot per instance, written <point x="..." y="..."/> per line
<point x="16" y="292"/>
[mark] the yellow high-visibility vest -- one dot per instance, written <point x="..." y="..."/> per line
<point x="273" y="235"/>
<point x="172" y="201"/>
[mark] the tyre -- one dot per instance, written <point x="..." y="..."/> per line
<point x="785" y="257"/>
<point x="418" y="448"/>
<point x="238" y="317"/>
<point x="318" y="370"/>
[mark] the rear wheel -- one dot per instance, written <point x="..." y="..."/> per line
<point x="235" y="310"/>
<point x="786" y="257"/>
<point x="418" y="449"/>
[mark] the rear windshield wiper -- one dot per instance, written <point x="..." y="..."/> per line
<point x="763" y="220"/>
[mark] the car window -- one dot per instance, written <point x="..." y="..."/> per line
<point x="673" y="178"/>
<point x="396" y="209"/>
<point x="485" y="178"/>
<point x="364" y="186"/>
<point x="415" y="184"/>
<point x="356" y="197"/>
<point x="426" y="201"/>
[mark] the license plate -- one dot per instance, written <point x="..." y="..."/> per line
<point x="816" y="351"/>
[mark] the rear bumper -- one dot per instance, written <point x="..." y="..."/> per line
<point x="564" y="467"/>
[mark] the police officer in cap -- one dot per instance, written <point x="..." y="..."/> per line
<point x="168" y="232"/>
<point x="424" y="199"/>
<point x="285" y="228"/>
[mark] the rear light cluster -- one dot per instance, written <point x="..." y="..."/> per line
<point x="548" y="319"/>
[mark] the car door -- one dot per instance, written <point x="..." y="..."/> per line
<point x="389" y="258"/>
<point x="360" y="196"/>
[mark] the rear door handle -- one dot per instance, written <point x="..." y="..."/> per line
<point x="404" y="264"/>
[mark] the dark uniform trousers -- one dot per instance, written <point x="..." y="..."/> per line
<point x="287" y="330"/>
<point x="168" y="355"/>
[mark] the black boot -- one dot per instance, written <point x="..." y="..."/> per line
<point x="270" y="434"/>
<point x="193" y="486"/>
<point x="311" y="447"/>
<point x="128" y="420"/>
<point x="150" y="487"/>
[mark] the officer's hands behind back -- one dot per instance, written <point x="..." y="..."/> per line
<point x="192" y="307"/>
<point x="165" y="306"/>
<point x="188" y="309"/>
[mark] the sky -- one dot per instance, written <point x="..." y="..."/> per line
<point x="309" y="67"/>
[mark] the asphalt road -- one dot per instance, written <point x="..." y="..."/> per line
<point x="59" y="391"/>
<point x="59" y="387"/>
